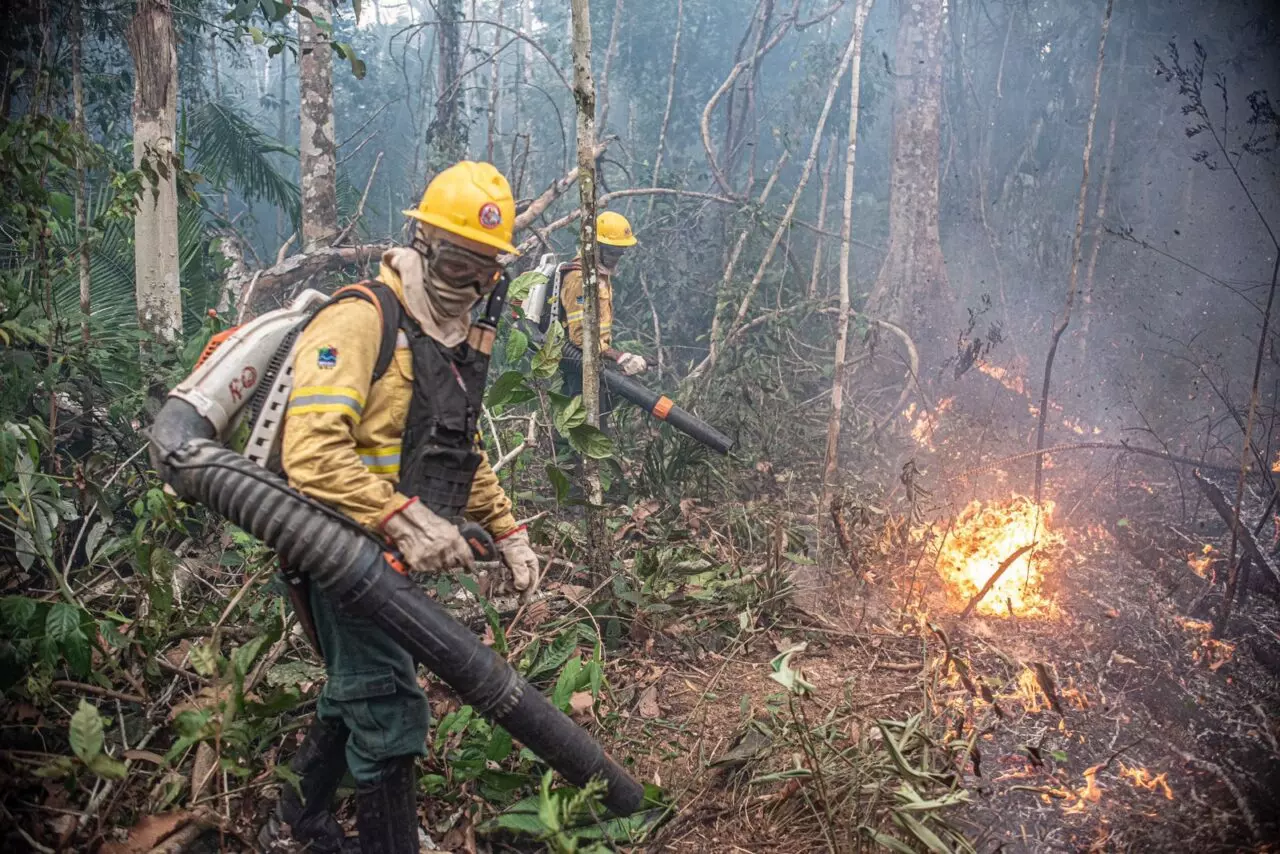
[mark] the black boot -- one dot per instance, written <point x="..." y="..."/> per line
<point x="387" y="811"/>
<point x="320" y="764"/>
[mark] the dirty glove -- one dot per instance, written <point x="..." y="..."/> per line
<point x="631" y="364"/>
<point x="428" y="542"/>
<point x="521" y="562"/>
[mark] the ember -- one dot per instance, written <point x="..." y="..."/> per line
<point x="983" y="537"/>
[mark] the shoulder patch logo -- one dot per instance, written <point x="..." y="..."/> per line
<point x="490" y="215"/>
<point x="327" y="357"/>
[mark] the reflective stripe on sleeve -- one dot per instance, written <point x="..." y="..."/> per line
<point x="384" y="460"/>
<point x="340" y="399"/>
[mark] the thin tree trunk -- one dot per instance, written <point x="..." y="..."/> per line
<point x="217" y="96"/>
<point x="584" y="95"/>
<point x="317" y="148"/>
<point x="1073" y="277"/>
<point x="1100" y="213"/>
<point x="82" y="189"/>
<point x="666" y="112"/>
<point x="609" y="54"/>
<point x="281" y="130"/>
<point x="705" y="367"/>
<point x="495" y="90"/>
<point x="860" y="11"/>
<point x="812" y="292"/>
<point x="155" y="120"/>
<point x="913" y="277"/>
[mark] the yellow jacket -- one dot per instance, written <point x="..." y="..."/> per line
<point x="574" y="305"/>
<point x="342" y="430"/>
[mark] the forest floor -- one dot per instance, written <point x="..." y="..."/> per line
<point x="1146" y="735"/>
<point x="782" y="704"/>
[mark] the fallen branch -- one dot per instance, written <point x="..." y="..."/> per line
<point x="1245" y="536"/>
<point x="82" y="688"/>
<point x="995" y="576"/>
<point x="557" y="189"/>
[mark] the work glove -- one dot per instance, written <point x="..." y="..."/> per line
<point x="520" y="561"/>
<point x="429" y="543"/>
<point x="631" y="364"/>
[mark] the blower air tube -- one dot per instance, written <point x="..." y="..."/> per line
<point x="350" y="567"/>
<point x="657" y="405"/>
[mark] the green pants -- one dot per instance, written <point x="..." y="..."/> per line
<point x="372" y="687"/>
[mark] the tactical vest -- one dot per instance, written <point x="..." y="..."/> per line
<point x="438" y="455"/>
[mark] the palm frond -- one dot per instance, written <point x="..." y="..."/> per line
<point x="229" y="151"/>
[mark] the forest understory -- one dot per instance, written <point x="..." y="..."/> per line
<point x="782" y="701"/>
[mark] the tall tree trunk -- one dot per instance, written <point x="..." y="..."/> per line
<point x="584" y="95"/>
<point x="912" y="288"/>
<point x="860" y="10"/>
<point x="82" y="207"/>
<point x="447" y="135"/>
<point x="317" y="149"/>
<point x="1073" y="275"/>
<point x="155" y="121"/>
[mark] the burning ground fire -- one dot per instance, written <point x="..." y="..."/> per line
<point x="983" y="537"/>
<point x="924" y="426"/>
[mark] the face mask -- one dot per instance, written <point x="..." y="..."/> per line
<point x="610" y="255"/>
<point x="447" y="300"/>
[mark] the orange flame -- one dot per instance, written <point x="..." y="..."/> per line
<point x="1144" y="779"/>
<point x="982" y="538"/>
<point x="1089" y="793"/>
<point x="1200" y="565"/>
<point x="1005" y="377"/>
<point x="927" y="423"/>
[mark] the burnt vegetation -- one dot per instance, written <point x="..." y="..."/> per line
<point x="983" y="293"/>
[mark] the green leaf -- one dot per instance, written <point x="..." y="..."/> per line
<point x="509" y="389"/>
<point x="242" y="657"/>
<point x="15" y="614"/>
<point x="570" y="415"/>
<point x="62" y="622"/>
<point x="500" y="744"/>
<point x="560" y="481"/>
<point x="78" y="653"/>
<point x="517" y="345"/>
<point x="590" y="442"/>
<point x="567" y="684"/>
<point x="521" y="285"/>
<point x="107" y="768"/>
<point x="62" y="204"/>
<point x="85" y="734"/>
<point x="204" y="658"/>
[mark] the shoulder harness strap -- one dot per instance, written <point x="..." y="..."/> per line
<point x="390" y="315"/>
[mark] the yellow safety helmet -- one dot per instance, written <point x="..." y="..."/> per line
<point x="472" y="200"/>
<point x="612" y="229"/>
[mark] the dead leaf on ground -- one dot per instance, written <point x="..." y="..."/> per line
<point x="202" y="769"/>
<point x="144" y="756"/>
<point x="575" y="593"/>
<point x="178" y="654"/>
<point x="649" y="703"/>
<point x="148" y="833"/>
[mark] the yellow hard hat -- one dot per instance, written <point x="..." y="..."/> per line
<point x="612" y="229"/>
<point x="472" y="200"/>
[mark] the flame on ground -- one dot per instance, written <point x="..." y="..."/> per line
<point x="926" y="423"/>
<point x="1144" y="779"/>
<point x="1089" y="793"/>
<point x="983" y="537"/>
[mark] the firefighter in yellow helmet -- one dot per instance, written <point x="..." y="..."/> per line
<point x="399" y="453"/>
<point x="613" y="238"/>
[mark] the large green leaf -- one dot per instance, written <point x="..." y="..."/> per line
<point x="229" y="151"/>
<point x="86" y="731"/>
